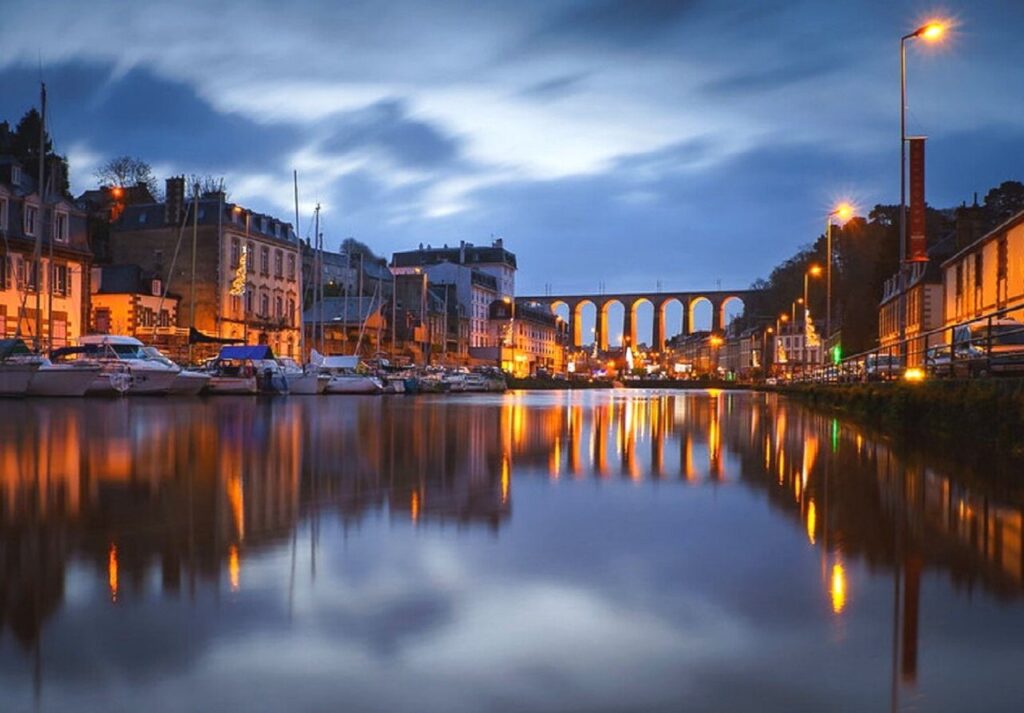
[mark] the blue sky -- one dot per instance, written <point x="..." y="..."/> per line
<point x="625" y="142"/>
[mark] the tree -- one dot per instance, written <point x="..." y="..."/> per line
<point x="127" y="171"/>
<point x="23" y="144"/>
<point x="208" y="185"/>
<point x="1004" y="202"/>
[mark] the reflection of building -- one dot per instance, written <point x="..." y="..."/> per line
<point x="260" y="304"/>
<point x="48" y="301"/>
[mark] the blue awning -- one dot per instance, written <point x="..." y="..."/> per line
<point x="255" y="352"/>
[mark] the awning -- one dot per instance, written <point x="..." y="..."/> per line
<point x="197" y="337"/>
<point x="255" y="352"/>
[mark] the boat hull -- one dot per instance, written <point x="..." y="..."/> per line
<point x="352" y="385"/>
<point x="15" y="378"/>
<point x="231" y="385"/>
<point x="188" y="383"/>
<point x="62" y="380"/>
<point x="306" y="384"/>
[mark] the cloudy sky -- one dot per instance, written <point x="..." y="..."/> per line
<point x="627" y="142"/>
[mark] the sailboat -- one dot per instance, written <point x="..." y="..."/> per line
<point x="17" y="366"/>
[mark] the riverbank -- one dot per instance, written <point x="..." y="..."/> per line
<point x="534" y="384"/>
<point x="980" y="411"/>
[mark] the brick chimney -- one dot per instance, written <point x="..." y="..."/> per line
<point x="970" y="223"/>
<point x="174" y="203"/>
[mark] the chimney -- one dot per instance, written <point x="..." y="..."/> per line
<point x="970" y="221"/>
<point x="175" y="200"/>
<point x="462" y="252"/>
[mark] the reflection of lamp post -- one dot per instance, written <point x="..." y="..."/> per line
<point x="930" y="32"/>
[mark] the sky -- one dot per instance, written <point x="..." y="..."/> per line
<point x="633" y="143"/>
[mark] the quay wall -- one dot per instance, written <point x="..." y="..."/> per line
<point x="987" y="412"/>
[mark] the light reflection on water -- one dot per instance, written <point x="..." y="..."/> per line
<point x="597" y="550"/>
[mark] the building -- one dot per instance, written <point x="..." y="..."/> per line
<point x="45" y="304"/>
<point x="257" y="304"/>
<point x="986" y="275"/>
<point x="351" y="325"/>
<point x="528" y="338"/>
<point x="127" y="300"/>
<point x="481" y="276"/>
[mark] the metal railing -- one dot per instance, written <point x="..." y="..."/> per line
<point x="992" y="344"/>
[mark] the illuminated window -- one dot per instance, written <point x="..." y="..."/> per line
<point x="278" y="264"/>
<point x="248" y="299"/>
<point x="59" y="280"/>
<point x="278" y="308"/>
<point x="264" y="260"/>
<point x="291" y="312"/>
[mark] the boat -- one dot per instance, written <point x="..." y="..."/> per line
<point x="302" y="381"/>
<point x="124" y="362"/>
<point x="188" y="382"/>
<point x="246" y="369"/>
<point x="17" y="367"/>
<point x="345" y="377"/>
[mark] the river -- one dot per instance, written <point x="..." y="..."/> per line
<point x="532" y="551"/>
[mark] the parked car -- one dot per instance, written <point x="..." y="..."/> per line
<point x="882" y="367"/>
<point x="991" y="348"/>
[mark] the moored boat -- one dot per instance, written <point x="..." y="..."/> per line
<point x="188" y="382"/>
<point x="345" y="377"/>
<point x="17" y="367"/>
<point x="301" y="381"/>
<point x="122" y="356"/>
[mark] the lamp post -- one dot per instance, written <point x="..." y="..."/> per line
<point x="780" y="320"/>
<point x="812" y="271"/>
<point x="930" y="32"/>
<point x="843" y="211"/>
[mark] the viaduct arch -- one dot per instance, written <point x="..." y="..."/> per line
<point x="719" y="299"/>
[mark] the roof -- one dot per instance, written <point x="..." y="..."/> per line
<point x="342" y="309"/>
<point x="1007" y="225"/>
<point x="255" y="352"/>
<point x="88" y="339"/>
<point x="125" y="279"/>
<point x="152" y="216"/>
<point x="466" y="254"/>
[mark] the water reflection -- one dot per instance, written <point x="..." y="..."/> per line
<point x="172" y="498"/>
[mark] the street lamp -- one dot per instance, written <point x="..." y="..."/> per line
<point x="812" y="271"/>
<point x="929" y="32"/>
<point x="843" y="211"/>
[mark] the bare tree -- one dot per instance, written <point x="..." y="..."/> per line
<point x="208" y="184"/>
<point x="127" y="171"/>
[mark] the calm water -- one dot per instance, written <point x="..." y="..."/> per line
<point x="597" y="551"/>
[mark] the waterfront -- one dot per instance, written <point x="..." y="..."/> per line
<point x="602" y="550"/>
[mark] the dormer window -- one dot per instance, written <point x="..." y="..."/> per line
<point x="3" y="215"/>
<point x="31" y="218"/>
<point x="60" y="227"/>
<point x="16" y="175"/>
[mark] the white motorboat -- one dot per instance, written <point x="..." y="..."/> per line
<point x="69" y="379"/>
<point x="188" y="382"/>
<point x="17" y="367"/>
<point x="123" y="357"/>
<point x="301" y="381"/>
<point x="344" y="375"/>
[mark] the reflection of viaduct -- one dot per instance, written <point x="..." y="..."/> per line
<point x="630" y="303"/>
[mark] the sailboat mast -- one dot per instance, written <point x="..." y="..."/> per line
<point x="192" y="288"/>
<point x="37" y="255"/>
<point x="302" y="288"/>
<point x="319" y="284"/>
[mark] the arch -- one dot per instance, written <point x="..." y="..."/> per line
<point x="561" y="309"/>
<point x="730" y="308"/>
<point x="611" y="324"/>
<point x="700" y="313"/>
<point x="671" y="312"/>
<point x="584" y="318"/>
<point x="640" y="325"/>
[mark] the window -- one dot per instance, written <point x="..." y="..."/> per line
<point x="264" y="305"/>
<point x="278" y="308"/>
<point x="30" y="275"/>
<point x="1001" y="259"/>
<point x="60" y="227"/>
<point x="16" y="175"/>
<point x="291" y="312"/>
<point x="977" y="270"/>
<point x="278" y="264"/>
<point x="250" y="259"/>
<point x="101" y="320"/>
<point x="248" y="299"/>
<point x="3" y="214"/>
<point x="5" y="273"/>
<point x="31" y="217"/>
<point x="264" y="260"/>
<point x="291" y="267"/>
<point x="236" y="252"/>
<point x="165" y="318"/>
<point x="236" y="305"/>
<point x="59" y="280"/>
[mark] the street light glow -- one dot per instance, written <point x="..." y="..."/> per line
<point x="814" y="271"/>
<point x="844" y="211"/>
<point x="932" y="32"/>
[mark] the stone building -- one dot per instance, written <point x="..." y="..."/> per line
<point x="45" y="304"/>
<point x="257" y="304"/>
<point x="127" y="300"/>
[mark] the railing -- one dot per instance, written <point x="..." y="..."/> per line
<point x="977" y="347"/>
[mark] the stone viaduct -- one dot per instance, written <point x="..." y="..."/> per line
<point x="630" y="301"/>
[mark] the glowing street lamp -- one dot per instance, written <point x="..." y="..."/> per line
<point x="844" y="211"/>
<point x="931" y="31"/>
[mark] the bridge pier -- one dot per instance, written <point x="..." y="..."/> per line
<point x="628" y="327"/>
<point x="659" y="326"/>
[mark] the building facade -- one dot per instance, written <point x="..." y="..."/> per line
<point x="248" y="277"/>
<point x="528" y="338"/>
<point x="126" y="300"/>
<point x="986" y="276"/>
<point x="46" y="304"/>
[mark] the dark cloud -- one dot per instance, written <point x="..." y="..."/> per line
<point x="769" y="78"/>
<point x="387" y="126"/>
